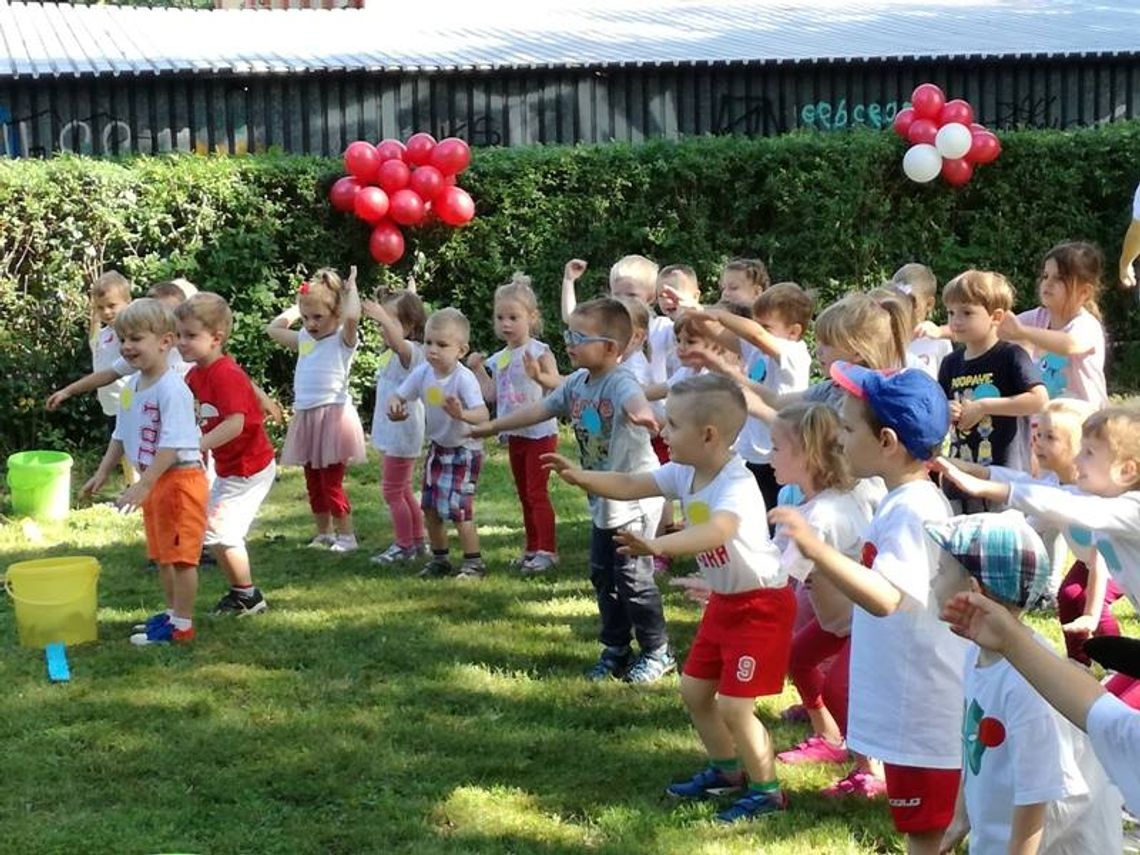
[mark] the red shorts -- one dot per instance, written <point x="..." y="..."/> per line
<point x="661" y="449"/>
<point x="921" y="799"/>
<point x="744" y="641"/>
<point x="174" y="516"/>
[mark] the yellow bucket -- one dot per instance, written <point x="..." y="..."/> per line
<point x="55" y="599"/>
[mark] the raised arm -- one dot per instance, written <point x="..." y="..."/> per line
<point x="95" y="380"/>
<point x="748" y="330"/>
<point x="526" y="416"/>
<point x="350" y="310"/>
<point x="1054" y="341"/>
<point x="609" y="485"/>
<point x="390" y="328"/>
<point x="573" y="271"/>
<point x="1129" y="252"/>
<point x="278" y="328"/>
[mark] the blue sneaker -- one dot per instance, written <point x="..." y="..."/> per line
<point x="152" y="622"/>
<point x="163" y="634"/>
<point x="706" y="784"/>
<point x="754" y="804"/>
<point x="650" y="667"/>
<point x="613" y="662"/>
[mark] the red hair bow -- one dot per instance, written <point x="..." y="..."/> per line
<point x="304" y="289"/>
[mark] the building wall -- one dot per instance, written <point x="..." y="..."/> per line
<point x="320" y="112"/>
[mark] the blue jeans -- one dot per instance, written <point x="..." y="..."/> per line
<point x="629" y="602"/>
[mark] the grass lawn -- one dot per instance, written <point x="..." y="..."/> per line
<point x="369" y="711"/>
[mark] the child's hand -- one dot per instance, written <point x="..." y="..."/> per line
<point x="969" y="414"/>
<point x="1082" y="628"/>
<point x="794" y="524"/>
<point x="411" y="286"/>
<point x="968" y="484"/>
<point x="985" y="622"/>
<point x="562" y="467"/>
<point x="481" y="430"/>
<point x="1010" y="328"/>
<point x="397" y="409"/>
<point x="645" y="419"/>
<point x="531" y="367"/>
<point x="350" y="282"/>
<point x="635" y="544"/>
<point x="94" y="485"/>
<point x="1127" y="275"/>
<point x="676" y="298"/>
<point x="133" y="497"/>
<point x="696" y="587"/>
<point x="476" y="361"/>
<point x="372" y="309"/>
<point x="56" y="399"/>
<point x="954" y="835"/>
<point x="574" y="268"/>
<point x="272" y="411"/>
<point x="928" y="329"/>
<point x="453" y="407"/>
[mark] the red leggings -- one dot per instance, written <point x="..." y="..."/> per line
<point x="530" y="482"/>
<point x="811" y="646"/>
<point x="1126" y="688"/>
<point x="326" y="490"/>
<point x="1071" y="605"/>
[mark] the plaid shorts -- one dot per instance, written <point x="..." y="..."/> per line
<point x="450" y="476"/>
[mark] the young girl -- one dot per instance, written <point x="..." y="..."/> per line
<point x="516" y="376"/>
<point x="401" y="317"/>
<point x="806" y="452"/>
<point x="743" y="280"/>
<point x="917" y="284"/>
<point x="1064" y="334"/>
<point x="1106" y="494"/>
<point x="325" y="434"/>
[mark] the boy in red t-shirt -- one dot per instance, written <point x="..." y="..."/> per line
<point x="233" y="431"/>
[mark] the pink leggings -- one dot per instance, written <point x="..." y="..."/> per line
<point x="1071" y="605"/>
<point x="326" y="490"/>
<point x="396" y="487"/>
<point x="811" y="646"/>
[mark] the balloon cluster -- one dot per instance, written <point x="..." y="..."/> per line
<point x="395" y="184"/>
<point x="945" y="139"/>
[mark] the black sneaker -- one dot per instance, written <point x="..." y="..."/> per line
<point x="234" y="603"/>
<point x="612" y="663"/>
<point x="472" y="568"/>
<point x="437" y="568"/>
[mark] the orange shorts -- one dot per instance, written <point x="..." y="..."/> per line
<point x="174" y="515"/>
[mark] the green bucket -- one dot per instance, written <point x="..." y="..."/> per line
<point x="40" y="484"/>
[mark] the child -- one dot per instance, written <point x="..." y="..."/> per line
<point x="630" y="276"/>
<point x="511" y="386"/>
<point x="1106" y="498"/>
<point x="233" y="432"/>
<point x="157" y="431"/>
<point x="906" y="667"/>
<point x="401" y="317"/>
<point x="673" y="279"/>
<point x="743" y="280"/>
<point x="806" y="452"/>
<point x="451" y="398"/>
<point x="1113" y="728"/>
<point x="992" y="386"/>
<point x="610" y="416"/>
<point x="325" y="434"/>
<point x="917" y="283"/>
<point x="1030" y="782"/>
<point x="741" y="648"/>
<point x="1064" y="333"/>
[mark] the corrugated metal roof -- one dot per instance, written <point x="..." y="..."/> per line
<point x="49" y="39"/>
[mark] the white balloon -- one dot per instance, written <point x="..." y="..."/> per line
<point x="953" y="140"/>
<point x="922" y="163"/>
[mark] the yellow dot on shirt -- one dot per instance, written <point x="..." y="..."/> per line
<point x="504" y="361"/>
<point x="697" y="512"/>
<point x="434" y="396"/>
<point x="306" y="347"/>
<point x="125" y="398"/>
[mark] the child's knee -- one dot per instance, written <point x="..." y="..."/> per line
<point x="736" y="711"/>
<point x="697" y="694"/>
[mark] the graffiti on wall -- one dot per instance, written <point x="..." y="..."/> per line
<point x="838" y="116"/>
<point x="748" y="114"/>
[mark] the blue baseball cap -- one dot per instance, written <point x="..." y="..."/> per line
<point x="909" y="402"/>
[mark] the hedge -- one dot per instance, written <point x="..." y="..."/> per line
<point x="832" y="212"/>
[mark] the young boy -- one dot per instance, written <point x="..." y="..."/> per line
<point x="233" y="432"/>
<point x="919" y="285"/>
<point x="992" y="385"/>
<point x="906" y="667"/>
<point x="609" y="413"/>
<point x="157" y="431"/>
<point x="452" y="399"/>
<point x="743" y="280"/>
<point x="1030" y="782"/>
<point x="743" y="642"/>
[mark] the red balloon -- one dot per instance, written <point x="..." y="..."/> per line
<point x="449" y="180"/>
<point x="371" y="204"/>
<point x="956" y="111"/>
<point x="922" y="131"/>
<point x="407" y="208"/>
<point x="427" y="181"/>
<point x="975" y="127"/>
<point x="393" y="175"/>
<point x="927" y="101"/>
<point x="419" y="148"/>
<point x="455" y="207"/>
<point x="451" y="156"/>
<point x="985" y="148"/>
<point x="361" y="159"/>
<point x="957" y="171"/>
<point x="390" y="149"/>
<point x="904" y="118"/>
<point x="343" y="193"/>
<point x="386" y="243"/>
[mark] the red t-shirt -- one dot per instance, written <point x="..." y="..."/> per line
<point x="220" y="390"/>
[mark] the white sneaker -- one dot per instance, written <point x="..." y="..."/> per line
<point x="344" y="543"/>
<point x="322" y="541"/>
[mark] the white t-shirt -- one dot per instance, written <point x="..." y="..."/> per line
<point x="441" y="428"/>
<point x="398" y="439"/>
<point x="1017" y="750"/>
<point x="840" y="520"/>
<point x="927" y="354"/>
<point x="159" y="416"/>
<point x="1079" y="375"/>
<point x="322" y="373"/>
<point x="788" y="372"/>
<point x="907" y="668"/>
<point x="1136" y="204"/>
<point x="749" y="560"/>
<point x="1114" y="730"/>
<point x="647" y="375"/>
<point x="662" y="348"/>
<point x="514" y="389"/>
<point x="104" y="354"/>
<point x="684" y="372"/>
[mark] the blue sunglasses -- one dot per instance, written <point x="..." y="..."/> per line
<point x="573" y="338"/>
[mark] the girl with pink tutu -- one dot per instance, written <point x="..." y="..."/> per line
<point x="325" y="434"/>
